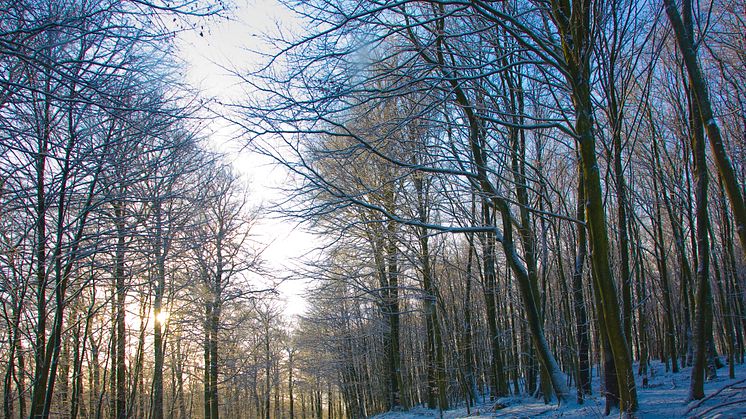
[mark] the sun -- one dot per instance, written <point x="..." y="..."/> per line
<point x="162" y="317"/>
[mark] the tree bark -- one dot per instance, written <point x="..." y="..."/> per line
<point x="290" y="384"/>
<point x="41" y="367"/>
<point x="206" y="350"/>
<point x="121" y="294"/>
<point x="469" y="376"/>
<point x="581" y="316"/>
<point x="698" y="85"/>
<point x="158" y="339"/>
<point x="573" y="23"/>
<point x="393" y="312"/>
<point x="703" y="320"/>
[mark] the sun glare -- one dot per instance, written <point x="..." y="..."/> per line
<point x="162" y="317"/>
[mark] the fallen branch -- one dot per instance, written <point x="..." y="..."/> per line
<point x="739" y="401"/>
<point x="698" y="404"/>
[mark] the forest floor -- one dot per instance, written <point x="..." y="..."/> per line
<point x="664" y="397"/>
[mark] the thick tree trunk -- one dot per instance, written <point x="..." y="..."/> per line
<point x="573" y="20"/>
<point x="599" y="244"/>
<point x="579" y="80"/>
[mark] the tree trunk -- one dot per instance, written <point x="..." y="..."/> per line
<point x="214" y="324"/>
<point x="642" y="296"/>
<point x="469" y="376"/>
<point x="703" y="321"/>
<point x="622" y="235"/>
<point x="598" y="236"/>
<point x="290" y="384"/>
<point x="389" y="272"/>
<point x="581" y="316"/>
<point x="525" y="229"/>
<point x="41" y="367"/>
<point x="698" y="85"/>
<point x="573" y="20"/>
<point x="158" y="339"/>
<point x="729" y="276"/>
<point x="267" y="367"/>
<point x="207" y="363"/>
<point x="660" y="257"/>
<point x="121" y="294"/>
<point x="497" y="379"/>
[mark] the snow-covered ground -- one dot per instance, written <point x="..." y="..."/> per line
<point x="664" y="397"/>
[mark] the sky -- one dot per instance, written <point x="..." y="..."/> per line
<point x="212" y="52"/>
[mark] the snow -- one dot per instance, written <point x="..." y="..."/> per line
<point x="664" y="397"/>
